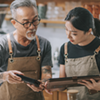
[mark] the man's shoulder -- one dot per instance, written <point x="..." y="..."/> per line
<point x="43" y="40"/>
<point x="44" y="43"/>
<point x="3" y="40"/>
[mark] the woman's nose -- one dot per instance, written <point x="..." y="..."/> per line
<point x="68" y="34"/>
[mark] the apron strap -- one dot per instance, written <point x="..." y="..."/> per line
<point x="65" y="48"/>
<point x="38" y="44"/>
<point x="97" y="50"/>
<point x="10" y="47"/>
<point x="38" y="48"/>
<point x="65" y="51"/>
<point x="9" y="44"/>
<point x="66" y="54"/>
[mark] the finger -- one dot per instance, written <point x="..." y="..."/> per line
<point x="14" y="76"/>
<point x="12" y="81"/>
<point x="84" y="85"/>
<point x="99" y="81"/>
<point x="39" y="80"/>
<point x="42" y="83"/>
<point x="93" y="81"/>
<point x="48" y="91"/>
<point x="81" y="83"/>
<point x="41" y="86"/>
<point x="18" y="72"/>
<point x="46" y="84"/>
<point x="87" y="82"/>
<point x="34" y="88"/>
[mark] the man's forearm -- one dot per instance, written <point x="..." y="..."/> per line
<point x="1" y="77"/>
<point x="46" y="73"/>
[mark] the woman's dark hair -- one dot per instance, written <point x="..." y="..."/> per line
<point x="81" y="19"/>
<point x="97" y="27"/>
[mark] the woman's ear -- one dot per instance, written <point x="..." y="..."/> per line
<point x="89" y="31"/>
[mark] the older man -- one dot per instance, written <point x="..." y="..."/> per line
<point x="23" y="52"/>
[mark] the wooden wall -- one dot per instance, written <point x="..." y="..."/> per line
<point x="57" y="1"/>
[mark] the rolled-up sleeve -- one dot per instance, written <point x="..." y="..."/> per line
<point x="47" y="55"/>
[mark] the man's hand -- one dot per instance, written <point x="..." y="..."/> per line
<point x="91" y="86"/>
<point x="46" y="74"/>
<point x="11" y="77"/>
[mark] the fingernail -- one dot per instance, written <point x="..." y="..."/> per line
<point x="28" y="84"/>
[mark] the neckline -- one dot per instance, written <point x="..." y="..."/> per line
<point x="88" y="45"/>
<point x="32" y="42"/>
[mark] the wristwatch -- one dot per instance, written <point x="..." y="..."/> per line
<point x="91" y="91"/>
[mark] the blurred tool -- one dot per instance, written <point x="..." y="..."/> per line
<point x="3" y="12"/>
<point x="42" y="10"/>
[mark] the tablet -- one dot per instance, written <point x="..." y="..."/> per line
<point x="58" y="83"/>
<point x="29" y="80"/>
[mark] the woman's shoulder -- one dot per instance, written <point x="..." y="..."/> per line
<point x="63" y="45"/>
<point x="69" y="45"/>
<point x="97" y="39"/>
<point x="95" y="43"/>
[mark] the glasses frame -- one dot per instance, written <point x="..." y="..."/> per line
<point x="29" y="22"/>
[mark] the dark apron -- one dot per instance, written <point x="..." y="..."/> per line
<point x="30" y="66"/>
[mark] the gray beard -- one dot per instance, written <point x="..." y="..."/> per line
<point x="32" y="36"/>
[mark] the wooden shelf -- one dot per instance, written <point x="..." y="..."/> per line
<point x="52" y="21"/>
<point x="59" y="21"/>
<point x="8" y="17"/>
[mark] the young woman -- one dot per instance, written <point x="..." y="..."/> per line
<point x="93" y="85"/>
<point x="80" y="56"/>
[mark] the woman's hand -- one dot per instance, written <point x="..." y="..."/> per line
<point x="41" y="87"/>
<point x="37" y="89"/>
<point x="91" y="86"/>
<point x="48" y="91"/>
<point x="11" y="77"/>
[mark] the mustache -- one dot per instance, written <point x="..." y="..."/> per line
<point x="31" y="31"/>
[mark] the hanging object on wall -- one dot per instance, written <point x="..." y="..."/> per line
<point x="88" y="7"/>
<point x="3" y="11"/>
<point x="94" y="9"/>
<point x="42" y="10"/>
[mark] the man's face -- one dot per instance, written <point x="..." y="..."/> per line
<point x="25" y="15"/>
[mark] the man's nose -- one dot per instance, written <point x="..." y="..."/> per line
<point x="32" y="26"/>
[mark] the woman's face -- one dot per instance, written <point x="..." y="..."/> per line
<point x="74" y="35"/>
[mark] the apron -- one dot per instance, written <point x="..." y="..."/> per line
<point x="83" y="66"/>
<point x="30" y="66"/>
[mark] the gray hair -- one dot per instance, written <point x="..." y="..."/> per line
<point x="21" y="3"/>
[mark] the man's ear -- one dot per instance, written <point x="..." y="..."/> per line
<point x="13" y="22"/>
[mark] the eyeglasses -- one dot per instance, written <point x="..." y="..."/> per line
<point x="35" y="22"/>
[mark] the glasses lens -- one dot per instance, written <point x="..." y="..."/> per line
<point x="36" y="22"/>
<point x="26" y="25"/>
